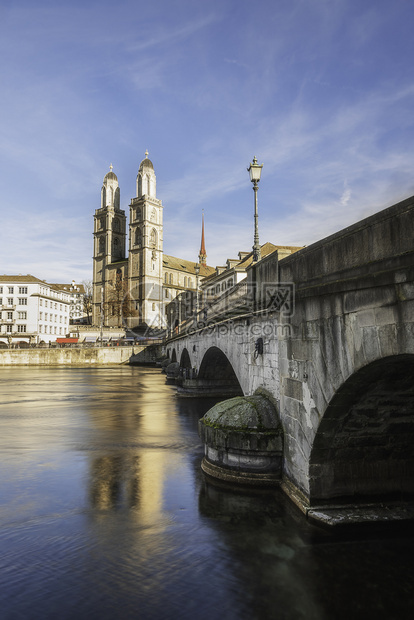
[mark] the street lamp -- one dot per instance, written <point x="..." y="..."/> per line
<point x="255" y="171"/>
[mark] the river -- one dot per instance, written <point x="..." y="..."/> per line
<point x="105" y="513"/>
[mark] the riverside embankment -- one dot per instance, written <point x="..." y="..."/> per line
<point x="142" y="354"/>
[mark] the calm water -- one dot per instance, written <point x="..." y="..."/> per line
<point x="104" y="513"/>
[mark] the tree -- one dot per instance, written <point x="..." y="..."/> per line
<point x="118" y="304"/>
<point x="87" y="299"/>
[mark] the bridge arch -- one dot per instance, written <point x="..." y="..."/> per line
<point x="217" y="368"/>
<point x="364" y="444"/>
<point x="185" y="361"/>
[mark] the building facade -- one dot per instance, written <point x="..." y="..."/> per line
<point x="77" y="305"/>
<point x="32" y="311"/>
<point x="132" y="288"/>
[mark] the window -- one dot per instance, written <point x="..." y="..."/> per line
<point x="138" y="214"/>
<point x="41" y="302"/>
<point x="190" y="284"/>
<point x="153" y="306"/>
<point x="1" y="301"/>
<point x="11" y="290"/>
<point x="101" y="245"/>
<point x="60" y="307"/>
<point x="22" y="301"/>
<point x="40" y="316"/>
<point x="138" y="236"/>
<point x="10" y="316"/>
<point x="46" y="315"/>
<point x="22" y="315"/>
<point x="55" y="330"/>
<point x="21" y="328"/>
<point x="40" y="329"/>
<point x="171" y="278"/>
<point x="185" y="281"/>
<point x="153" y="238"/>
<point x="166" y="292"/>
<point x="166" y="278"/>
<point x="46" y="304"/>
<point x="9" y="328"/>
<point x="1" y="290"/>
<point x="10" y="301"/>
<point x="22" y="290"/>
<point x="116" y="225"/>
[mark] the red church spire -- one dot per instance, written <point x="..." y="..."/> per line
<point x="202" y="257"/>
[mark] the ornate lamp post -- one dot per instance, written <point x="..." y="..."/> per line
<point x="255" y="171"/>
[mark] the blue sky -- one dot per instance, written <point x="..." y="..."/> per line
<point x="321" y="91"/>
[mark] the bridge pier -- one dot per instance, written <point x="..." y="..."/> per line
<point x="243" y="441"/>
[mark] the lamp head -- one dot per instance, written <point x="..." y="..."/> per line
<point x="255" y="170"/>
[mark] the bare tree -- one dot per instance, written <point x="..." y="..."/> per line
<point x="118" y="303"/>
<point x="87" y="299"/>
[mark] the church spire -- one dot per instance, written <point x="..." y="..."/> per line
<point x="202" y="257"/>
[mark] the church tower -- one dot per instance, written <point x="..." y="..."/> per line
<point x="145" y="267"/>
<point x="109" y="239"/>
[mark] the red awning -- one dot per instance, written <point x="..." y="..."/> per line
<point x="67" y="340"/>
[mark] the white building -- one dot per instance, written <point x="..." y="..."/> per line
<point x="77" y="293"/>
<point x="31" y="310"/>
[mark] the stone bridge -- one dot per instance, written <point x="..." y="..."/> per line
<point x="329" y="332"/>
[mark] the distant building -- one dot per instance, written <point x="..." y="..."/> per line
<point x="219" y="284"/>
<point x="133" y="288"/>
<point x="31" y="310"/>
<point x="77" y="293"/>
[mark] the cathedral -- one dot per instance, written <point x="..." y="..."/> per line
<point x="132" y="287"/>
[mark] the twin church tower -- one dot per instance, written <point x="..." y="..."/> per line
<point x="133" y="288"/>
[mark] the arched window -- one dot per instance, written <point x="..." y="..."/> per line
<point x="137" y="213"/>
<point x="117" y="198"/>
<point x="185" y="280"/>
<point x="116" y="247"/>
<point x="153" y="216"/>
<point x="153" y="238"/>
<point x="138" y="236"/>
<point x="190" y="283"/>
<point x="101" y="244"/>
<point x="171" y="278"/>
<point x="116" y="225"/>
<point x="166" y="278"/>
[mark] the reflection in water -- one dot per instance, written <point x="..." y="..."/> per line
<point x="105" y="513"/>
<point x="115" y="479"/>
